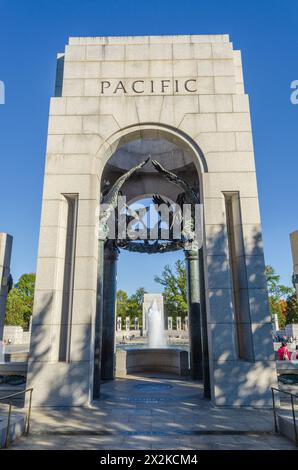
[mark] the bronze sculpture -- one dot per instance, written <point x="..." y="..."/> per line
<point x="188" y="196"/>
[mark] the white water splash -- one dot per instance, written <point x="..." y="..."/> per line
<point x="155" y="322"/>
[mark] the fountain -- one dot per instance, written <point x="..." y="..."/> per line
<point x="157" y="356"/>
<point x="155" y="322"/>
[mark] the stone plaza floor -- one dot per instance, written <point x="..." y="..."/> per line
<point x="152" y="413"/>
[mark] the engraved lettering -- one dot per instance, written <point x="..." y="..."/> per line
<point x="133" y="86"/>
<point x="104" y="85"/>
<point x="164" y="84"/>
<point x="186" y="85"/>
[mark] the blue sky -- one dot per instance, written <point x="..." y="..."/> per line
<point x="33" y="31"/>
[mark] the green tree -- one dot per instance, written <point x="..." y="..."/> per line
<point x="20" y="302"/>
<point x="121" y="304"/>
<point x="292" y="309"/>
<point x="277" y="294"/>
<point x="175" y="290"/>
<point x="130" y="306"/>
<point x="138" y="296"/>
<point x="135" y="305"/>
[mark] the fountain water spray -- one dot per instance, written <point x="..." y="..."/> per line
<point x="155" y="322"/>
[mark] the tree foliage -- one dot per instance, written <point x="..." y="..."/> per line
<point x="20" y="302"/>
<point x="292" y="309"/>
<point x="135" y="305"/>
<point x="175" y="290"/>
<point x="282" y="299"/>
<point x="121" y="304"/>
<point x="130" y="306"/>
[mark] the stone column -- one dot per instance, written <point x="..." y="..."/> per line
<point x="109" y="311"/>
<point x="194" y="312"/>
<point x="119" y="324"/>
<point x="275" y="325"/>
<point x="204" y="328"/>
<point x="5" y="278"/>
<point x="294" y="247"/>
<point x="98" y="319"/>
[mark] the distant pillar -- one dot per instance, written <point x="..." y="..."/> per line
<point x="144" y="324"/>
<point x="194" y="312"/>
<point x="30" y="325"/>
<point x="204" y="329"/>
<point x="178" y="323"/>
<point x="170" y="323"/>
<point x="5" y="278"/>
<point x="119" y="324"/>
<point x="294" y="247"/>
<point x="109" y="311"/>
<point x="275" y="325"/>
<point x="98" y="319"/>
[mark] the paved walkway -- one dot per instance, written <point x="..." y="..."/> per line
<point x="156" y="413"/>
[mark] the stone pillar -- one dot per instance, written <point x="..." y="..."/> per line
<point x="204" y="329"/>
<point x="170" y="323"/>
<point x="119" y="324"/>
<point x="30" y="325"/>
<point x="178" y="323"/>
<point x="294" y="247"/>
<point x="275" y="325"/>
<point x="144" y="324"/>
<point x="194" y="312"/>
<point x="98" y="320"/>
<point x="127" y="323"/>
<point x="5" y="278"/>
<point x="109" y="311"/>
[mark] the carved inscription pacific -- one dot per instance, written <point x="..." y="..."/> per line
<point x="160" y="86"/>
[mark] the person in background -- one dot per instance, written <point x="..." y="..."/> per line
<point x="294" y="356"/>
<point x="283" y="352"/>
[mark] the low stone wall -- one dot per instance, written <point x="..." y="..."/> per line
<point x="287" y="367"/>
<point x="14" y="368"/>
<point x="16" y="335"/>
<point x="16" y="429"/>
<point x="16" y="356"/>
<point x="131" y="361"/>
<point x="286" y="425"/>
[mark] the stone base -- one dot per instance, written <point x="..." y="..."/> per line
<point x="241" y="383"/>
<point x="172" y="361"/>
<point x="60" y="384"/>
<point x="287" y="367"/>
<point x="286" y="426"/>
<point x="16" y="429"/>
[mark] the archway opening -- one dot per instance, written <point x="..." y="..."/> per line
<point x="147" y="187"/>
<point x="151" y="305"/>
